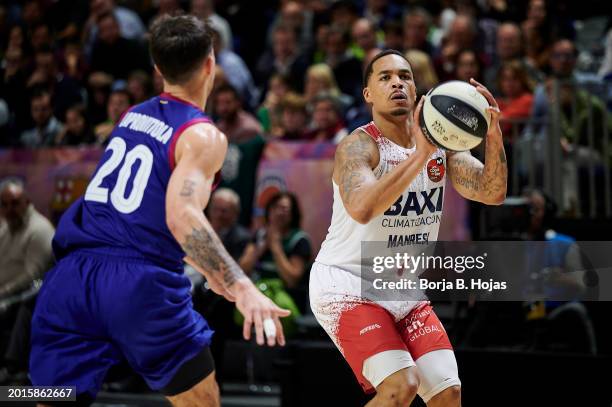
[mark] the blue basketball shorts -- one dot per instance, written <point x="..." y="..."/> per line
<point x="93" y="312"/>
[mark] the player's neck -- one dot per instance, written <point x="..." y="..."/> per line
<point x="396" y="129"/>
<point x="197" y="98"/>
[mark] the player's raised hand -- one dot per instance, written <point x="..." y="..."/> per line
<point x="260" y="311"/>
<point x="493" y="109"/>
<point x="422" y="144"/>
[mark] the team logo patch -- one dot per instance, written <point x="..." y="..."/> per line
<point x="435" y="169"/>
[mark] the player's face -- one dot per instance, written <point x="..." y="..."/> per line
<point x="391" y="89"/>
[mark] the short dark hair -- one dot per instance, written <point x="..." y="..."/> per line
<point x="368" y="71"/>
<point x="179" y="45"/>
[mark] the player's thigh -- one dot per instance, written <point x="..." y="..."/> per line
<point x="157" y="329"/>
<point x="438" y="376"/>
<point x="205" y="394"/>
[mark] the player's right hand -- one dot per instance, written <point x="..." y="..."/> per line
<point x="256" y="308"/>
<point x="422" y="144"/>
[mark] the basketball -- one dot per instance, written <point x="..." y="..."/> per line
<point x="454" y="116"/>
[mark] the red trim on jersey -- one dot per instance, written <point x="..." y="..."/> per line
<point x="170" y="96"/>
<point x="372" y="130"/>
<point x="177" y="135"/>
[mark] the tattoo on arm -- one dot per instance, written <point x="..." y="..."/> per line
<point x="355" y="157"/>
<point x="205" y="248"/>
<point x="188" y="189"/>
<point x="478" y="181"/>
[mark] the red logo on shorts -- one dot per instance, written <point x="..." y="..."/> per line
<point x="435" y="169"/>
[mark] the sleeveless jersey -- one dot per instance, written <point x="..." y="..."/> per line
<point x="414" y="218"/>
<point x="123" y="211"/>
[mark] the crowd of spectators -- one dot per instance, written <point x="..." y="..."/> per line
<point x="288" y="70"/>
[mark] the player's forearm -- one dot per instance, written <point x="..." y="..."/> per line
<point x="200" y="242"/>
<point x="494" y="176"/>
<point x="374" y="198"/>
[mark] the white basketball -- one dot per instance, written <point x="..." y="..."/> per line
<point x="454" y="116"/>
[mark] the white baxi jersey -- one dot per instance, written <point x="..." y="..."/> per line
<point x="413" y="219"/>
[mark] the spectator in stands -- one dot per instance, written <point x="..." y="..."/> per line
<point x="111" y="47"/>
<point x="562" y="263"/>
<point x="284" y="58"/>
<point x="509" y="46"/>
<point x="516" y="99"/>
<point x="223" y="211"/>
<point x="417" y="23"/>
<point x="77" y="130"/>
<point x="130" y="24"/>
<point x="280" y="249"/>
<point x="166" y="7"/>
<point x="40" y="37"/>
<point x="118" y="103"/>
<point x="424" y="73"/>
<point x="346" y="68"/>
<point x="99" y="89"/>
<point x="72" y="62"/>
<point x="25" y="255"/>
<point x="246" y="143"/>
<point x="238" y="125"/>
<point x="294" y="117"/>
<point x="326" y="123"/>
<point x="139" y="86"/>
<point x="236" y="71"/>
<point x="461" y="35"/>
<point x="205" y="9"/>
<point x="294" y="14"/>
<point x="537" y="34"/>
<point x="320" y="78"/>
<point x="562" y="63"/>
<point x="25" y="240"/>
<point x="269" y="111"/>
<point x="46" y="125"/>
<point x="394" y="35"/>
<point x="12" y="88"/>
<point x="467" y="66"/>
<point x="65" y="91"/>
<point x="343" y="14"/>
<point x="379" y="12"/>
<point x="363" y="34"/>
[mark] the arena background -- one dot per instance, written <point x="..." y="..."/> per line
<point x="289" y="77"/>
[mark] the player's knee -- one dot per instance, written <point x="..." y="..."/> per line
<point x="400" y="388"/>
<point x="449" y="397"/>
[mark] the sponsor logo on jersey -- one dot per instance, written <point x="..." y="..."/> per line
<point x="417" y="203"/>
<point x="435" y="169"/>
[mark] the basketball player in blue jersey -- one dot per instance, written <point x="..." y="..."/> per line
<point x="118" y="291"/>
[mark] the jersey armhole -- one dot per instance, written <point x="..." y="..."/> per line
<point x="177" y="135"/>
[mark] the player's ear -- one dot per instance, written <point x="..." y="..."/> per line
<point x="366" y="94"/>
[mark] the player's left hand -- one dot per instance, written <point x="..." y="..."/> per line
<point x="493" y="109"/>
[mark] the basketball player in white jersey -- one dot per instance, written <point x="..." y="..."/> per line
<point x="384" y="172"/>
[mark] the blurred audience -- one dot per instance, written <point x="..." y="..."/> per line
<point x="46" y="126"/>
<point x="119" y="102"/>
<point x="516" y="97"/>
<point x="223" y="212"/>
<point x="326" y="122"/>
<point x="238" y="125"/>
<point x="293" y="117"/>
<point x="268" y="112"/>
<point x="77" y="130"/>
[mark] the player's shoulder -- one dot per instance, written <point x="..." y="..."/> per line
<point x="357" y="144"/>
<point x="203" y="135"/>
